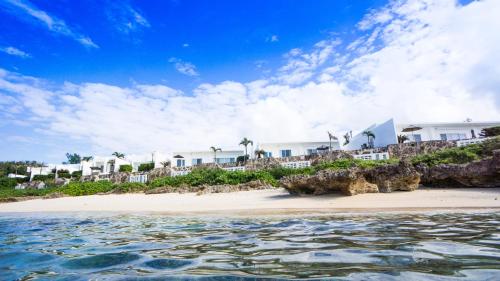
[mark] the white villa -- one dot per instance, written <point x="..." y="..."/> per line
<point x="193" y="158"/>
<point x="388" y="132"/>
<point x="288" y="149"/>
<point x="101" y="165"/>
<point x="385" y="134"/>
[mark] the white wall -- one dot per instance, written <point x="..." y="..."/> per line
<point x="453" y="131"/>
<point x="384" y="135"/>
<point x="297" y="148"/>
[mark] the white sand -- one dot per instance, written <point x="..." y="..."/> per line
<point x="266" y="202"/>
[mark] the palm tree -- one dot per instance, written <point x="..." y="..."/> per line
<point x="246" y="142"/>
<point x="118" y="155"/>
<point x="347" y="138"/>
<point x="214" y="149"/>
<point x="260" y="153"/>
<point x="402" y="138"/>
<point x="331" y="137"/>
<point x="370" y="137"/>
<point x="87" y="158"/>
<point x="165" y="164"/>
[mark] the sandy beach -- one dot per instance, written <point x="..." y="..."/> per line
<point x="266" y="201"/>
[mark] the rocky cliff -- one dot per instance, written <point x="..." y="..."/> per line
<point x="482" y="173"/>
<point x="388" y="178"/>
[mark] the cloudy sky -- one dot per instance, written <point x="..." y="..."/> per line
<point x="94" y="77"/>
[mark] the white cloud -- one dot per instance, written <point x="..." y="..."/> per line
<point x="125" y="18"/>
<point x="27" y="11"/>
<point x="272" y="38"/>
<point x="185" y="45"/>
<point x="183" y="67"/>
<point x="15" y="52"/>
<point x="432" y="62"/>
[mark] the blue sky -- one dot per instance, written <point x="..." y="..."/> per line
<point x="225" y="39"/>
<point x="97" y="76"/>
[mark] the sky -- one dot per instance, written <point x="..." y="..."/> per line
<point x="94" y="77"/>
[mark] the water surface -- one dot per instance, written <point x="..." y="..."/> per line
<point x="156" y="247"/>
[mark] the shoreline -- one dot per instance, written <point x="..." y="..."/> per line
<point x="268" y="202"/>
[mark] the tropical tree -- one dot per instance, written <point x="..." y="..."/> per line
<point x="87" y="158"/>
<point x="331" y="137"/>
<point x="370" y="136"/>
<point x="246" y="142"/>
<point x="118" y="155"/>
<point x="260" y="153"/>
<point x="490" y="132"/>
<point x="347" y="138"/>
<point x="165" y="164"/>
<point x="402" y="138"/>
<point x="214" y="149"/>
<point x="73" y="158"/>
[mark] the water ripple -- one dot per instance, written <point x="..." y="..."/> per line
<point x="141" y="247"/>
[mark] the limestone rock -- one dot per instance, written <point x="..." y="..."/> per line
<point x="481" y="173"/>
<point x="348" y="182"/>
<point x="388" y="178"/>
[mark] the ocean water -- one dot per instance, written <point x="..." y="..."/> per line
<point x="341" y="247"/>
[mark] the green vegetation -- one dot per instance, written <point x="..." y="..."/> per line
<point x="125" y="168"/>
<point x="43" y="177"/>
<point x="86" y="188"/>
<point x="144" y="167"/>
<point x="212" y="176"/>
<point x="459" y="155"/>
<point x="490" y="132"/>
<point x="16" y="167"/>
<point x="73" y="158"/>
<point x="216" y="176"/>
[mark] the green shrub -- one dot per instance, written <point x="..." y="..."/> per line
<point x="63" y="175"/>
<point x="212" y="176"/>
<point x="76" y="174"/>
<point x="43" y="177"/>
<point x="125" y="168"/>
<point x="487" y="147"/>
<point x="455" y="155"/>
<point x="8" y="193"/>
<point x="7" y="183"/>
<point x="86" y="188"/>
<point x="144" y="167"/>
<point x="130" y="187"/>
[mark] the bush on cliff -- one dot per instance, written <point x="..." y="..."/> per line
<point x="144" y="167"/>
<point x="125" y="168"/>
<point x="454" y="155"/>
<point x="210" y="176"/>
<point x="7" y="183"/>
<point x="459" y="155"/>
<point x="86" y="188"/>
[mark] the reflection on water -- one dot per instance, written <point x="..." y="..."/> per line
<point x="154" y="247"/>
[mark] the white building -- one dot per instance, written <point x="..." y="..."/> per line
<point x="49" y="168"/>
<point x="288" y="149"/>
<point x="193" y="158"/>
<point x="388" y="132"/>
<point x="102" y="165"/>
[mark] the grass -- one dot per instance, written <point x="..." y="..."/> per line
<point x="459" y="155"/>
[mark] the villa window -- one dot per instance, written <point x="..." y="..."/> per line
<point x="286" y="153"/>
<point x="417" y="137"/>
<point x="312" y="151"/>
<point x="225" y="160"/>
<point x="181" y="163"/>
<point x="453" y="136"/>
<point x="197" y="161"/>
<point x="268" y="154"/>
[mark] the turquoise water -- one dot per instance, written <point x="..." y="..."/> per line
<point x="155" y="247"/>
